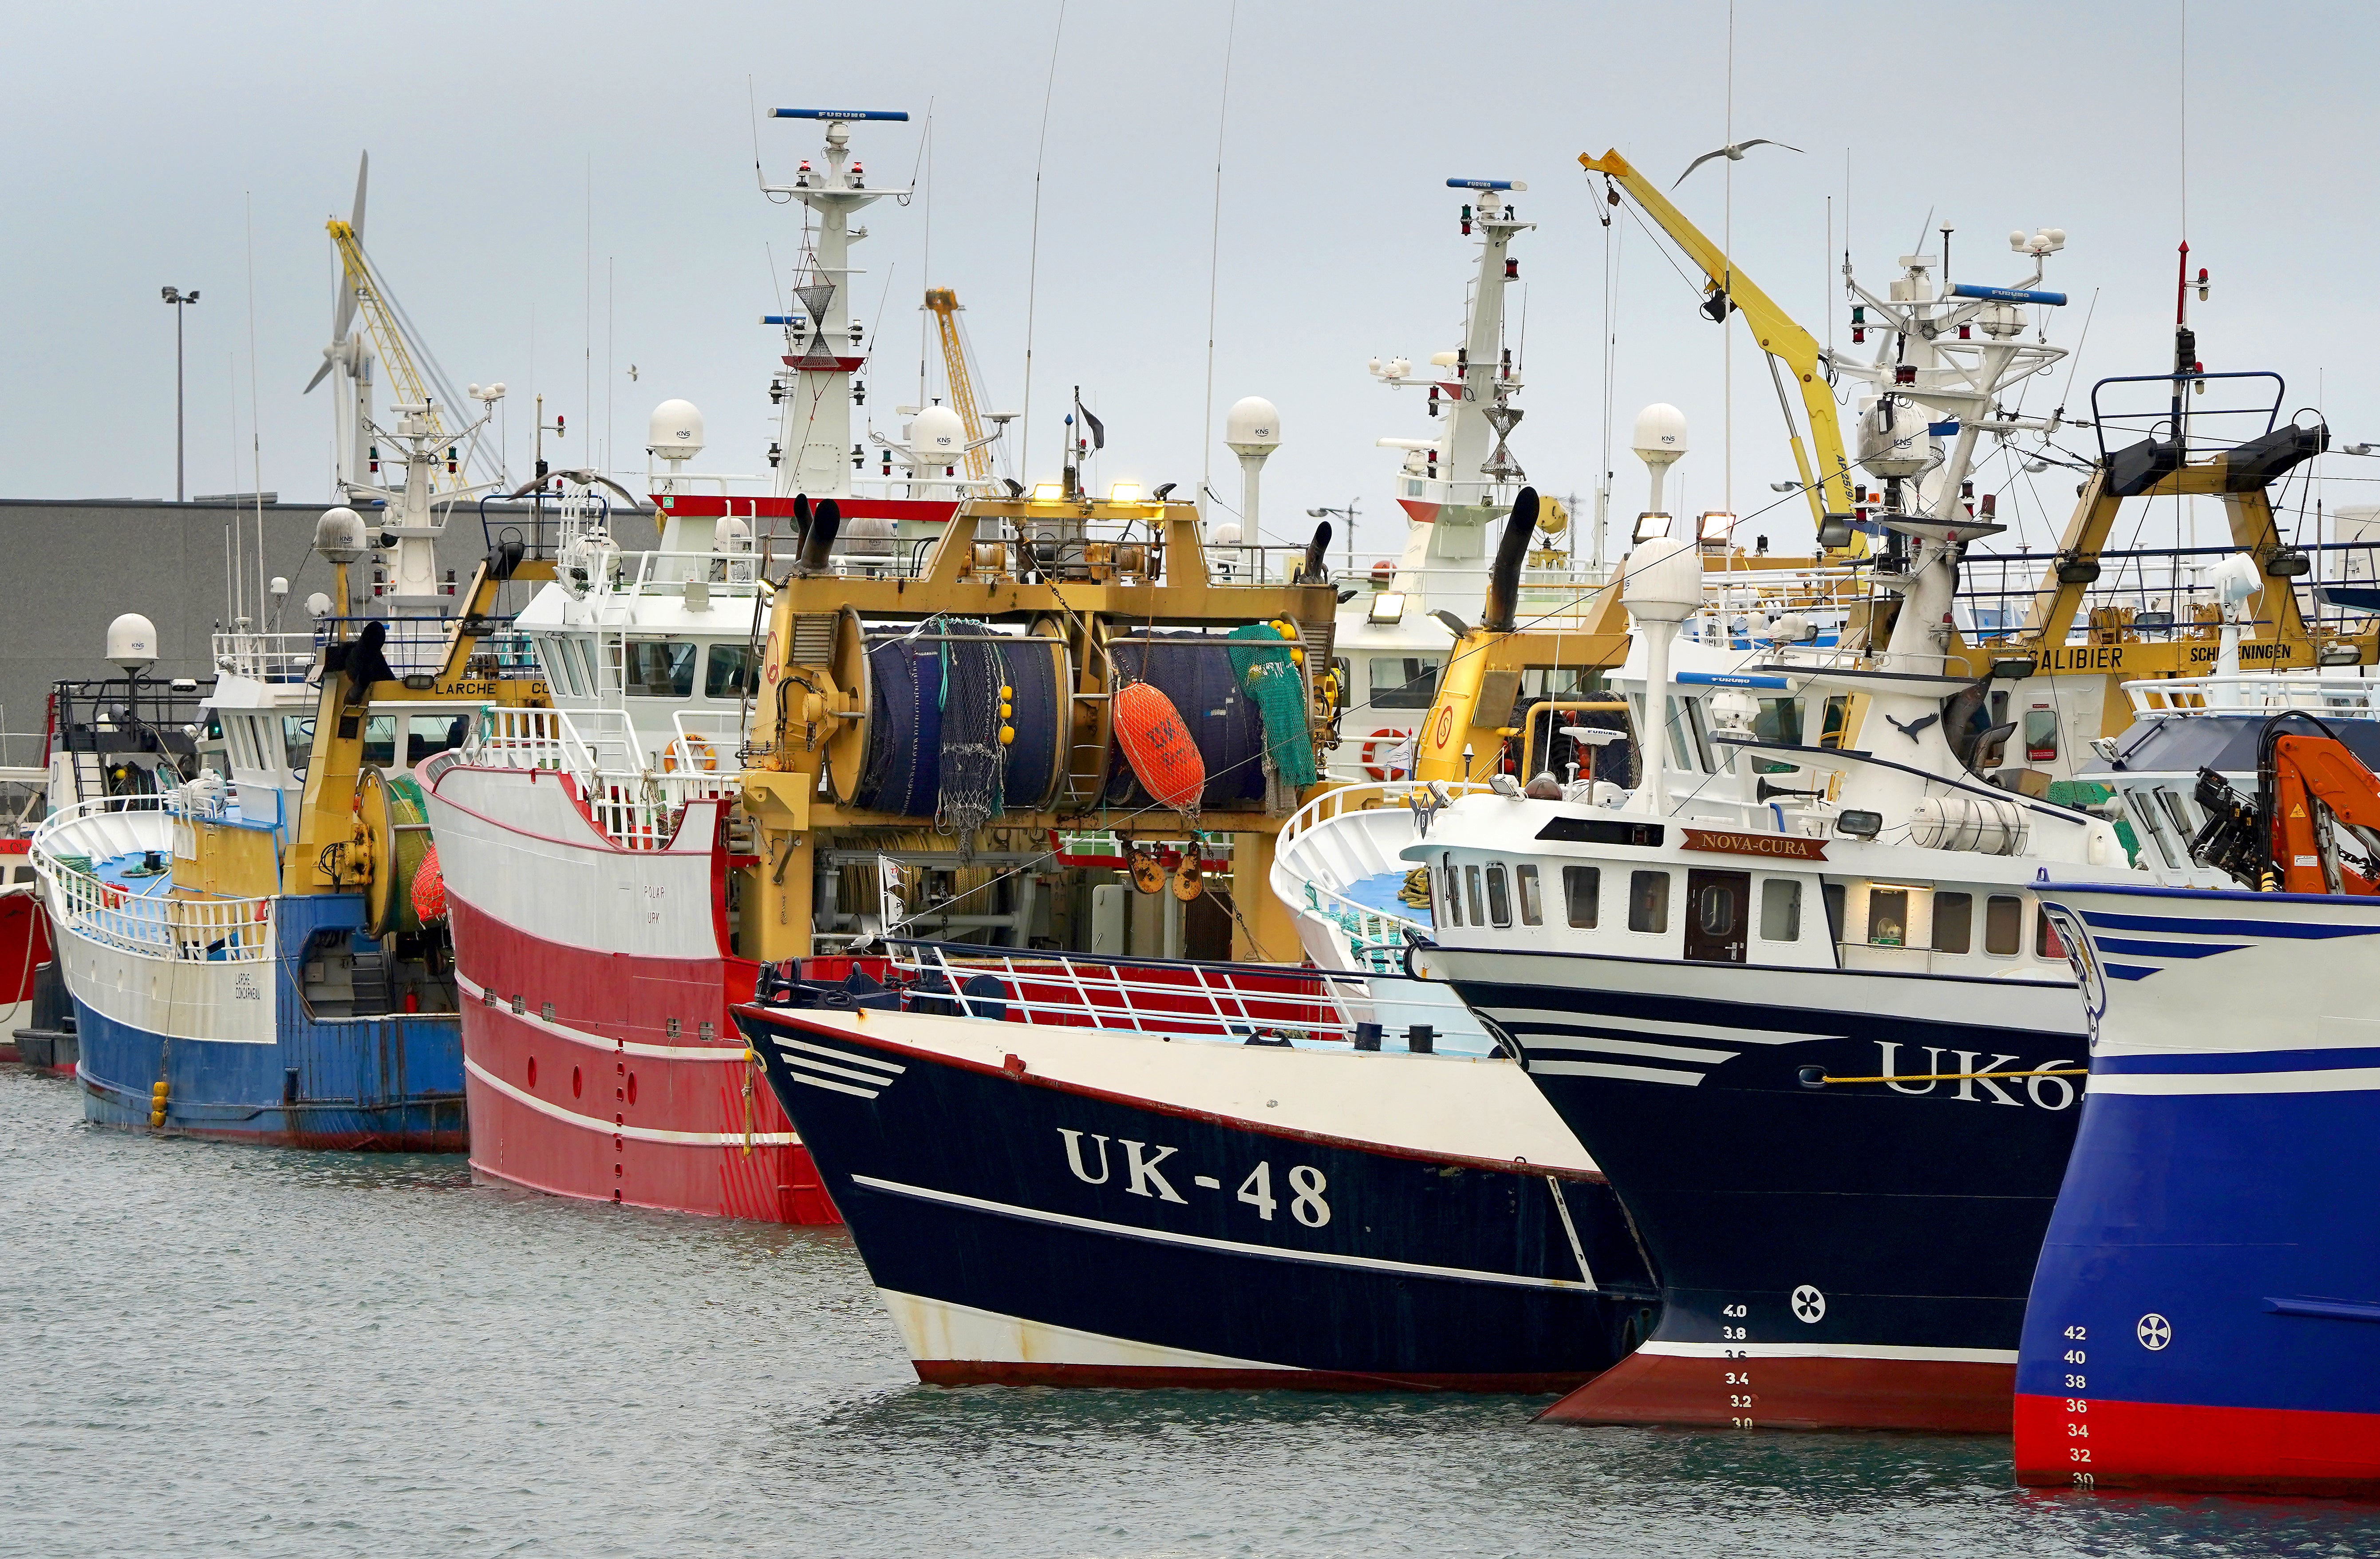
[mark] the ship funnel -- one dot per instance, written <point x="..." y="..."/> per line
<point x="817" y="539"/>
<point x="1511" y="550"/>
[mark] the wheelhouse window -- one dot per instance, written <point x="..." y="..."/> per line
<point x="2047" y="943"/>
<point x="2040" y="736"/>
<point x="1648" y="901"/>
<point x="1524" y="880"/>
<point x="728" y="673"/>
<point x="1403" y="681"/>
<point x="426" y="736"/>
<point x="561" y="666"/>
<point x="1780" y="910"/>
<point x="2003" y="925"/>
<point x="1450" y="877"/>
<point x="1500" y="897"/>
<point x="661" y="668"/>
<point x="1887" y="917"/>
<point x="298" y="740"/>
<point x="1471" y="891"/>
<point x="1582" y="895"/>
<point x="1954" y="922"/>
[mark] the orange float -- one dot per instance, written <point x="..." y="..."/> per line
<point x="429" y="890"/>
<point x="1158" y="745"/>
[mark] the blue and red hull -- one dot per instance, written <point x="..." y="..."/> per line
<point x="2205" y="1316"/>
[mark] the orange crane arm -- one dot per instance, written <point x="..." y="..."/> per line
<point x="944" y="304"/>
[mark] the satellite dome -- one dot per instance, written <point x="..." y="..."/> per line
<point x="132" y="643"/>
<point x="937" y="437"/>
<point x="1252" y="427"/>
<point x="675" y="432"/>
<point x="339" y="536"/>
<point x="1661" y="434"/>
<point x="1664" y="582"/>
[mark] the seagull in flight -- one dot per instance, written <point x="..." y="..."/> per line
<point x="1734" y="153"/>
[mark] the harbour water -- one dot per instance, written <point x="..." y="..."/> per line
<point x="218" y="1349"/>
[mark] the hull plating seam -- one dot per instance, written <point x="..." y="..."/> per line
<point x="633" y="1133"/>
<point x="613" y="1046"/>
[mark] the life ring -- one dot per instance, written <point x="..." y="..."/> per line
<point x="1382" y="747"/>
<point x="700" y="754"/>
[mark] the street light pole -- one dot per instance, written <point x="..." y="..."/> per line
<point x="180" y="300"/>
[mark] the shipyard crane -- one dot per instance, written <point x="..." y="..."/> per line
<point x="1828" y="487"/>
<point x="943" y="304"/>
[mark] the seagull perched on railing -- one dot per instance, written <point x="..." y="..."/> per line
<point x="1734" y="153"/>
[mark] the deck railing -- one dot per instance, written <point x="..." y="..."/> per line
<point x="637" y="807"/>
<point x="183" y="929"/>
<point x="2256" y="692"/>
<point x="1243" y="1003"/>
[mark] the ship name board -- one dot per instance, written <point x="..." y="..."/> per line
<point x="1784" y="846"/>
<point x="2111" y="657"/>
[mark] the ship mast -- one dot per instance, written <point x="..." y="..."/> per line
<point x="815" y="452"/>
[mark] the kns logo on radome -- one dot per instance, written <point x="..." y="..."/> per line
<point x="1981" y="1083"/>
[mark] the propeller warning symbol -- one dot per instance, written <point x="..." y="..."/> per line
<point x="1809" y="1305"/>
<point x="2155" y="1332"/>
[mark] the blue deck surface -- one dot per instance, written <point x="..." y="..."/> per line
<point x="1381" y="893"/>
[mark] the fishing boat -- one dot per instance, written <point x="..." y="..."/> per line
<point x="246" y="955"/>
<point x="2201" y="1319"/>
<point x="594" y="854"/>
<point x="1807" y="1018"/>
<point x="1072" y="1170"/>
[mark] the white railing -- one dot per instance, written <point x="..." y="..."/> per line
<point x="185" y="930"/>
<point x="638" y="807"/>
<point x="1240" y="1003"/>
<point x="2256" y="692"/>
<point x="266" y="657"/>
<point x="1376" y="938"/>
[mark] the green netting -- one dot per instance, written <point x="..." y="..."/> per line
<point x="1261" y="661"/>
<point x="2087" y="792"/>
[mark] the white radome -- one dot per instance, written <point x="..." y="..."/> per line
<point x="1252" y="427"/>
<point x="132" y="642"/>
<point x="675" y="432"/>
<point x="1661" y="434"/>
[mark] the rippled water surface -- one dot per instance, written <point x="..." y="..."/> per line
<point x="209" y="1349"/>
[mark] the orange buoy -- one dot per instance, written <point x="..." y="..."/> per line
<point x="1158" y="745"/>
<point x="429" y="890"/>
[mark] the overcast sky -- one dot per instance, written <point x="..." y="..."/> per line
<point x="142" y="139"/>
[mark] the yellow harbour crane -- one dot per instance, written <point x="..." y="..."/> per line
<point x="943" y="303"/>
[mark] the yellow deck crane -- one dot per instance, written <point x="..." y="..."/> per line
<point x="388" y="337"/>
<point x="1828" y="486"/>
<point x="943" y="303"/>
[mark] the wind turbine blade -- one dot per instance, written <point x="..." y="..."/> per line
<point x="345" y="314"/>
<point x="363" y="174"/>
<point x="320" y="374"/>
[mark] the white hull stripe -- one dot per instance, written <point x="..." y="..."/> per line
<point x="937" y="1330"/>
<point x="609" y="1046"/>
<point x="1598" y="1022"/>
<point x="1605" y="1068"/>
<point x="2335" y="1080"/>
<point x="1537" y="1041"/>
<point x="633" y="1133"/>
<point x="1201" y="1242"/>
<point x="1833" y="1350"/>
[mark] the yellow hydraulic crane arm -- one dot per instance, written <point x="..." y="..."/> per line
<point x="1828" y="487"/>
<point x="388" y="341"/>
<point x="944" y="303"/>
